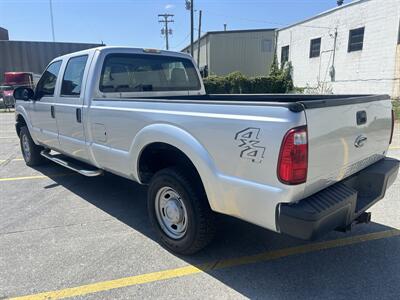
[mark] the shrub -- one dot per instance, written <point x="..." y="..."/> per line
<point x="216" y="85"/>
<point x="279" y="81"/>
<point x="237" y="83"/>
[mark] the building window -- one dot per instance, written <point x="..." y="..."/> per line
<point x="356" y="39"/>
<point x="284" y="54"/>
<point x="315" y="47"/>
<point x="266" y="45"/>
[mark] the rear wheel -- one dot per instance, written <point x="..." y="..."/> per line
<point x="30" y="151"/>
<point x="179" y="211"/>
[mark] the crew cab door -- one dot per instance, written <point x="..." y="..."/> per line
<point x="69" y="107"/>
<point x="42" y="112"/>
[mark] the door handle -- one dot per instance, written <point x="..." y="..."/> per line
<point x="360" y="141"/>
<point x="52" y="112"/>
<point x="78" y="115"/>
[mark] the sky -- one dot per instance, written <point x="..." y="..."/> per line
<point x="135" y="22"/>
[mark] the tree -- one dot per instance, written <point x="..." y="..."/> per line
<point x="274" y="70"/>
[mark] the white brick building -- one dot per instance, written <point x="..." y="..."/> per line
<point x="366" y="58"/>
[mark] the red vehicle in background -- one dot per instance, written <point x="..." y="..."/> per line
<point x="12" y="80"/>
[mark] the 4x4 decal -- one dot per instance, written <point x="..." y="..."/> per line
<point x="249" y="139"/>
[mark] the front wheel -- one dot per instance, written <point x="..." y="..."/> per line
<point x="179" y="211"/>
<point x="30" y="151"/>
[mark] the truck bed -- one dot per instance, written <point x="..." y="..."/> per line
<point x="295" y="102"/>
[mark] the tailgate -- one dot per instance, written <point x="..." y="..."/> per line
<point x="345" y="138"/>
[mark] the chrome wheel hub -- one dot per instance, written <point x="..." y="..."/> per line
<point x="171" y="213"/>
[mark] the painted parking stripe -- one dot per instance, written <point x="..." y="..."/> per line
<point x="216" y="265"/>
<point x="34" y="177"/>
<point x="14" y="159"/>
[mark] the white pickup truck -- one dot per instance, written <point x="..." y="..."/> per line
<point x="295" y="164"/>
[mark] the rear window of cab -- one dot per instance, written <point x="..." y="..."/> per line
<point x="147" y="72"/>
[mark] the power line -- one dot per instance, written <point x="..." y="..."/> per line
<point x="167" y="18"/>
<point x="268" y="22"/>
<point x="179" y="44"/>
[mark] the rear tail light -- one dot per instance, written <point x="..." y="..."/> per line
<point x="293" y="157"/>
<point x="391" y="132"/>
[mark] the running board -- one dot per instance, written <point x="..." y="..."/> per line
<point x="75" y="166"/>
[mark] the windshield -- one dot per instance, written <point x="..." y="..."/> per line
<point x="136" y="73"/>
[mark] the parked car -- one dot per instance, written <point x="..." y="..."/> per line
<point x="5" y="91"/>
<point x="12" y="80"/>
<point x="302" y="165"/>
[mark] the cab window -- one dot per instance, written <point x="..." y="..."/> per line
<point x="47" y="82"/>
<point x="73" y="75"/>
<point x="147" y="73"/>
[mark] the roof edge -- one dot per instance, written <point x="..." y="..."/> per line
<point x="327" y="12"/>
<point x="51" y="42"/>
<point x="229" y="31"/>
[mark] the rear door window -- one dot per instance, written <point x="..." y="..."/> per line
<point x="73" y="75"/>
<point x="47" y="82"/>
<point x="139" y="73"/>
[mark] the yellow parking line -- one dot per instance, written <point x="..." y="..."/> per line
<point x="14" y="159"/>
<point x="216" y="265"/>
<point x="9" y="137"/>
<point x="394" y="148"/>
<point x="33" y="177"/>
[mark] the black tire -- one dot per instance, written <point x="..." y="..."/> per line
<point x="33" y="158"/>
<point x="200" y="219"/>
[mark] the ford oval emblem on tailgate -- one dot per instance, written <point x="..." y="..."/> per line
<point x="360" y="141"/>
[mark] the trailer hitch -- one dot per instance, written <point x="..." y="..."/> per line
<point x="364" y="218"/>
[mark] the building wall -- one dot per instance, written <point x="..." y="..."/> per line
<point x="371" y="70"/>
<point x="241" y="51"/>
<point x="249" y="52"/>
<point x="204" y="50"/>
<point x="3" y="34"/>
<point x="33" y="56"/>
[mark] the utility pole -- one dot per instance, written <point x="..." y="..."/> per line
<point x="191" y="27"/>
<point x="198" y="40"/>
<point x="190" y="6"/>
<point x="165" y="30"/>
<point x="52" y="20"/>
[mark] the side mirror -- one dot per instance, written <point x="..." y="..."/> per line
<point x="24" y="94"/>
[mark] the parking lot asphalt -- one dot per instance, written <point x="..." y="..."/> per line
<point x="65" y="235"/>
